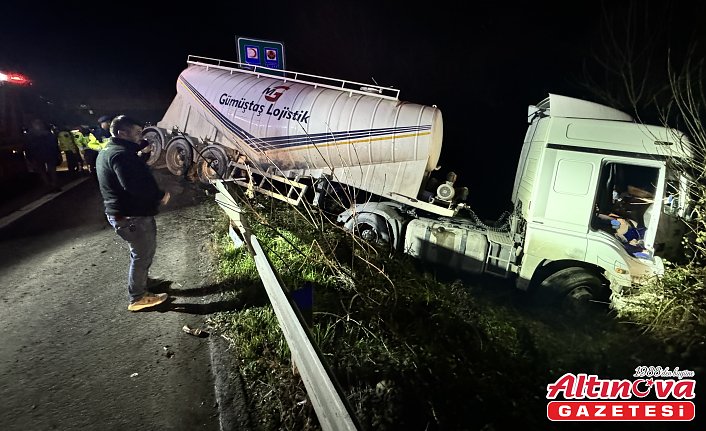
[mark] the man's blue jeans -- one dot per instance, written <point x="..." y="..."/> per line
<point x="141" y="235"/>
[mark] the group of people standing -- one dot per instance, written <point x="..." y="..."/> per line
<point x="45" y="144"/>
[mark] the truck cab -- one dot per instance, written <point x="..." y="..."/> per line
<point x="596" y="193"/>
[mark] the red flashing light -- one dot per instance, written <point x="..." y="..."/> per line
<point x="18" y="79"/>
<point x="14" y="78"/>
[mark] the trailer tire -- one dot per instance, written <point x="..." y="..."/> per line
<point x="212" y="164"/>
<point x="157" y="138"/>
<point x="179" y="156"/>
<point x="572" y="288"/>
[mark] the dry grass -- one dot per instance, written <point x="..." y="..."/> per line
<point x="672" y="307"/>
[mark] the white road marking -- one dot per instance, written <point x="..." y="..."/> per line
<point x="38" y="203"/>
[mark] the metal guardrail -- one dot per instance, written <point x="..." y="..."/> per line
<point x="299" y="77"/>
<point x="331" y="409"/>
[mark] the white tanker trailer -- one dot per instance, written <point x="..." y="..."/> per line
<point x="595" y="202"/>
<point x="298" y="127"/>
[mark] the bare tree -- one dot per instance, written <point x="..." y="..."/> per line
<point x="688" y="107"/>
<point x="626" y="66"/>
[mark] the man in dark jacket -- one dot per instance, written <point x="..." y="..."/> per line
<point x="131" y="198"/>
<point x="42" y="152"/>
<point x="102" y="132"/>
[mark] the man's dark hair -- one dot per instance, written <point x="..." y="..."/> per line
<point x="122" y="122"/>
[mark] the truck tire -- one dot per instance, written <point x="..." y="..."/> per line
<point x="370" y="227"/>
<point x="571" y="288"/>
<point x="211" y="164"/>
<point x="179" y="156"/>
<point x="156" y="138"/>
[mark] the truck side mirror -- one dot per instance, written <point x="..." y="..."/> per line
<point x="534" y="112"/>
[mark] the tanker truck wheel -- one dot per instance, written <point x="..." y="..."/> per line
<point x="370" y="227"/>
<point x="573" y="289"/>
<point x="179" y="156"/>
<point x="156" y="138"/>
<point x="212" y="164"/>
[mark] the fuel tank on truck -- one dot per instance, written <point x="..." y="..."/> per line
<point x="452" y="243"/>
<point x="369" y="141"/>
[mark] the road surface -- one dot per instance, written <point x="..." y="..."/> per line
<point x="71" y="356"/>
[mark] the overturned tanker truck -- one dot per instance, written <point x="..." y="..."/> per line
<point x="595" y="203"/>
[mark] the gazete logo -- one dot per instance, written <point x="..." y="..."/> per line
<point x="648" y="397"/>
<point x="274" y="93"/>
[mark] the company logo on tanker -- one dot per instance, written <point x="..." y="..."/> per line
<point x="272" y="94"/>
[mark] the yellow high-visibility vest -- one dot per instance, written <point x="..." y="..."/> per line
<point x="79" y="139"/>
<point x="95" y="144"/>
<point x="66" y="142"/>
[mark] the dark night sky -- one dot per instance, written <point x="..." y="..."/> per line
<point x="482" y="64"/>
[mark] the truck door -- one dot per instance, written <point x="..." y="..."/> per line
<point x="561" y="208"/>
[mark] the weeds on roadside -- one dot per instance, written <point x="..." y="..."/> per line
<point x="672" y="307"/>
<point x="397" y="348"/>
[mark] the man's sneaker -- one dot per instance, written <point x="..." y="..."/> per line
<point x="147" y="300"/>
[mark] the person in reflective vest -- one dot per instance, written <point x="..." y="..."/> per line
<point x="80" y="141"/>
<point x="90" y="153"/>
<point x="70" y="149"/>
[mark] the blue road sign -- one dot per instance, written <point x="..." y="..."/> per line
<point x="258" y="52"/>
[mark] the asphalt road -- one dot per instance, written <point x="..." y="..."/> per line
<point x="71" y="356"/>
